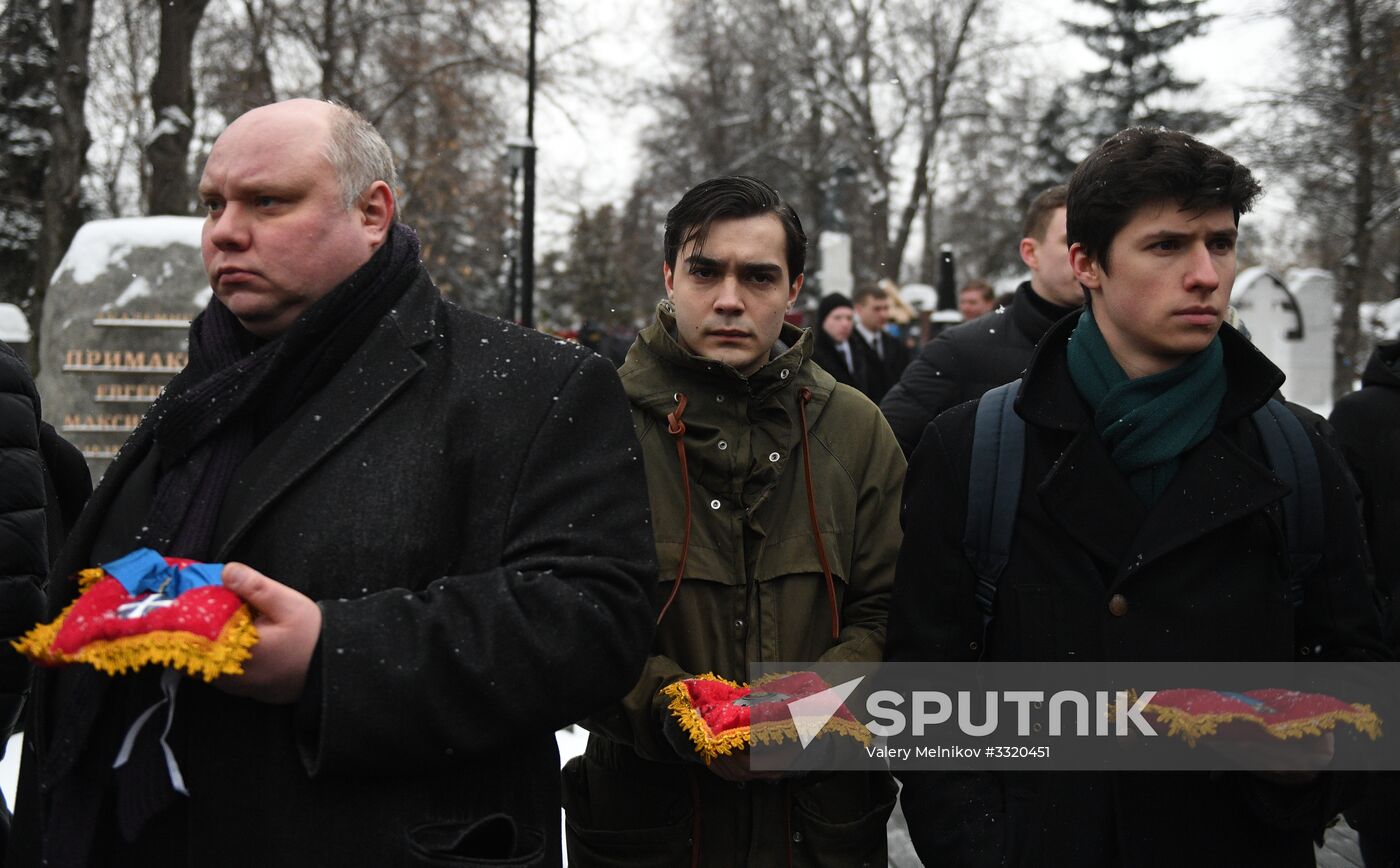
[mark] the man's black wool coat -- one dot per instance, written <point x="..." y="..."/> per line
<point x="1204" y="575"/>
<point x="962" y="363"/>
<point x="465" y="501"/>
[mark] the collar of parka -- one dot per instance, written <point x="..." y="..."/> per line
<point x="740" y="432"/>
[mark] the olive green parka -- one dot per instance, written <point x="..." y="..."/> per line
<point x="753" y="590"/>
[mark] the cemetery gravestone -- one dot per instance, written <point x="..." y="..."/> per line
<point x="1314" y="360"/>
<point x="116" y="327"/>
<point x="1290" y="320"/>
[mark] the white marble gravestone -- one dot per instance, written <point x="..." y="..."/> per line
<point x="1291" y="320"/>
<point x="1313" y="359"/>
<point x="835" y="272"/>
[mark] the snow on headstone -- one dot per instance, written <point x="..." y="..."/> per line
<point x="1266" y="309"/>
<point x="115" y="326"/>
<point x="14" y="328"/>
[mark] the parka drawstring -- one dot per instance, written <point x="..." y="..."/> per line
<point x="676" y="428"/>
<point x="806" y="396"/>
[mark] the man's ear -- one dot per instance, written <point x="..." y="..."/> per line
<point x="376" y="209"/>
<point x="794" y="289"/>
<point x="1030" y="253"/>
<point x="669" y="277"/>
<point x="1086" y="268"/>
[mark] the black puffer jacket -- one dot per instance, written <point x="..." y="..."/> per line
<point x="965" y="361"/>
<point x="24" y="549"/>
<point x="1368" y="425"/>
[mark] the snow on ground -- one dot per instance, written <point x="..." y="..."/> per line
<point x="9" y="768"/>
<point x="100" y="243"/>
<point x="572" y="741"/>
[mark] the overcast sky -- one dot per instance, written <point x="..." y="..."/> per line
<point x="588" y="143"/>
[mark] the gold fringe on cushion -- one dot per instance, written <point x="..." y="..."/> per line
<point x="775" y="732"/>
<point x="89" y="577"/>
<point x="178" y="649"/>
<point x="1193" y="727"/>
<point x="710" y="745"/>
<point x="707" y="744"/>
<point x="37" y="644"/>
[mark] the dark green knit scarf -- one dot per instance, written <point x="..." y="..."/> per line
<point x="1147" y="423"/>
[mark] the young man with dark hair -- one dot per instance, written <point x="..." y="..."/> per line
<point x="886" y="355"/>
<point x="1147" y="527"/>
<point x="774" y="496"/>
<point x="968" y="359"/>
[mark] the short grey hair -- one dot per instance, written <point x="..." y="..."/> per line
<point x="359" y="156"/>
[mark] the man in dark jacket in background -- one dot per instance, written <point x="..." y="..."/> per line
<point x="832" y="345"/>
<point x="1368" y="426"/>
<point x="443" y="532"/>
<point x="966" y="360"/>
<point x="886" y="355"/>
<point x="1147" y="529"/>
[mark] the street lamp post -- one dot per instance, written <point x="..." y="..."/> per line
<point x="527" y="220"/>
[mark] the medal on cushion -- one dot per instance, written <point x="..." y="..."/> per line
<point x="145" y="609"/>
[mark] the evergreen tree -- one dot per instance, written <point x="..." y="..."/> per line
<point x="1057" y="147"/>
<point x="26" y="102"/>
<point x="1131" y="87"/>
<point x="592" y="283"/>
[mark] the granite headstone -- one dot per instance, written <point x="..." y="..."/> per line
<point x="115" y="327"/>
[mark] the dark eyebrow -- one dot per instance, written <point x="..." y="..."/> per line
<point x="761" y="268"/>
<point x="696" y="259"/>
<point x="1170" y="235"/>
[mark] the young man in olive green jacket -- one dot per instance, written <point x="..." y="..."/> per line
<point x="748" y="444"/>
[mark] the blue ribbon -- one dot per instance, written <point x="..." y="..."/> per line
<point x="145" y="572"/>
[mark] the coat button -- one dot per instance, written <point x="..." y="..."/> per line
<point x="723" y="445"/>
<point x="719" y="399"/>
<point x="797" y="837"/>
<point x="714" y="504"/>
<point x="1118" y="605"/>
<point x="773" y="456"/>
<point x="784" y="375"/>
<point x="739" y="626"/>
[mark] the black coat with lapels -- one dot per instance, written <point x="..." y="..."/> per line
<point x="1096" y="575"/>
<point x="464" y="500"/>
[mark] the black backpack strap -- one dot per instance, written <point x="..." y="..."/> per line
<point x="1291" y="457"/>
<point x="994" y="490"/>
